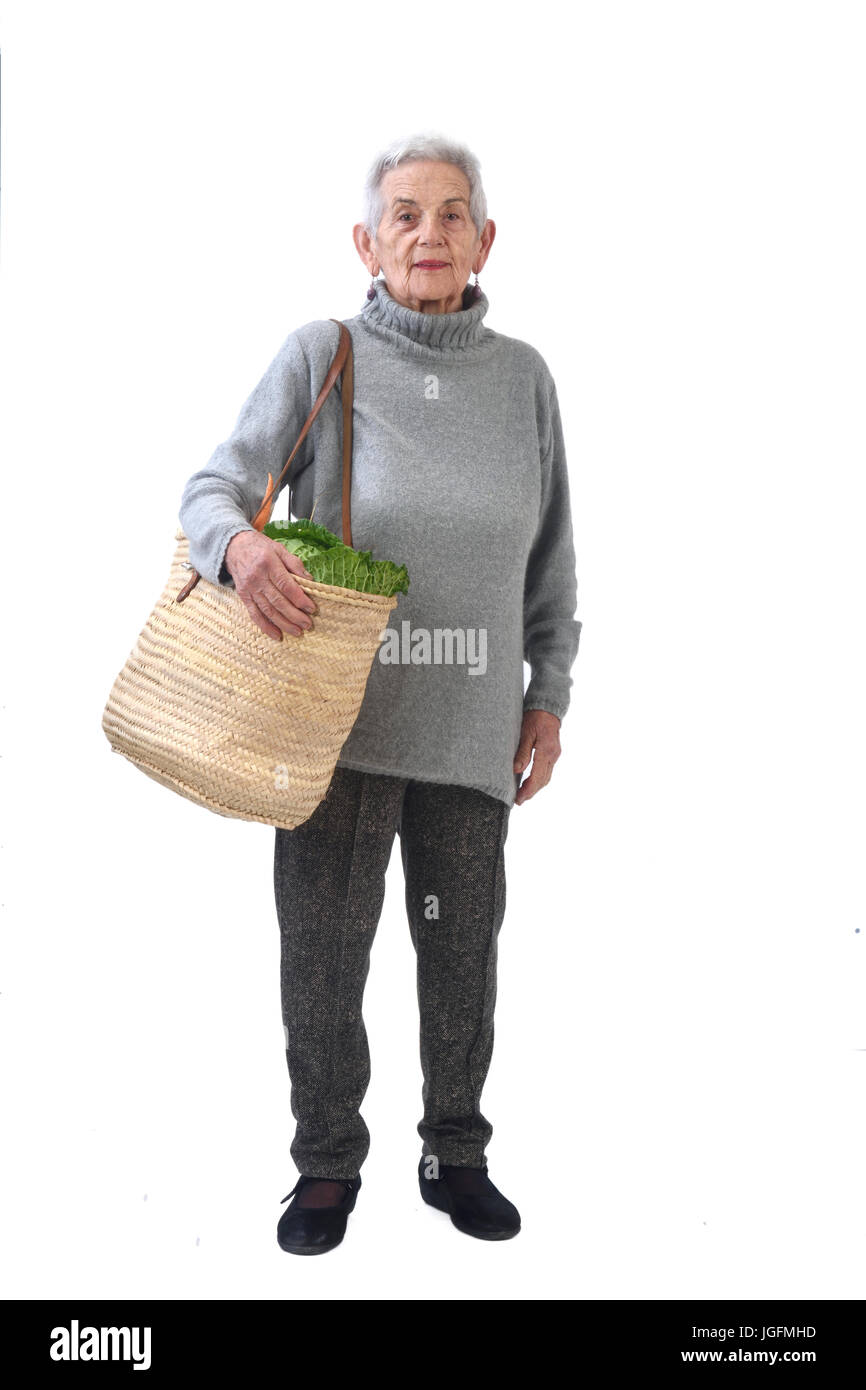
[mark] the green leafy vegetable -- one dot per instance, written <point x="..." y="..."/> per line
<point x="331" y="562"/>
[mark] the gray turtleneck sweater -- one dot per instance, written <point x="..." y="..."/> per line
<point x="459" y="472"/>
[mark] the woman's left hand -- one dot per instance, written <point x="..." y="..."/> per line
<point x="539" y="731"/>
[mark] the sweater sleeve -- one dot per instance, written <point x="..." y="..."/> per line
<point x="551" y="633"/>
<point x="220" y="499"/>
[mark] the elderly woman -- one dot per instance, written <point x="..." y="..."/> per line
<point x="459" y="470"/>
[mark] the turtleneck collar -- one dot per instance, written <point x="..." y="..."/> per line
<point x="461" y="331"/>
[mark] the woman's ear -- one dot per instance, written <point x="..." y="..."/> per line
<point x="366" y="248"/>
<point x="487" y="236"/>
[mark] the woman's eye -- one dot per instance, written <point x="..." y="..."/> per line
<point x="400" y="216"/>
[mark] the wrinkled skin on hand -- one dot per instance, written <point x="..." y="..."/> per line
<point x="539" y="740"/>
<point x="263" y="572"/>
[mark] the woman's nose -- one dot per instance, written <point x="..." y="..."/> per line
<point x="430" y="233"/>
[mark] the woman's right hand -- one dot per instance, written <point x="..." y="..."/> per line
<point x="262" y="571"/>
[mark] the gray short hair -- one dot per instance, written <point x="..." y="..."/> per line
<point x="416" y="147"/>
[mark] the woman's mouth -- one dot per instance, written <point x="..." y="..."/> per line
<point x="430" y="265"/>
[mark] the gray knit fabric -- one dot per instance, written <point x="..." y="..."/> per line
<point x="459" y="472"/>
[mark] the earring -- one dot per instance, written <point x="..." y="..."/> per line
<point x="371" y="293"/>
<point x="475" y="291"/>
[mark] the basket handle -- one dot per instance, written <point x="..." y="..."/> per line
<point x="343" y="363"/>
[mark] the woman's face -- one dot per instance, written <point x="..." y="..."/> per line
<point x="426" y="245"/>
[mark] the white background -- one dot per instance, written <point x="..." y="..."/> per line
<point x="677" y="1088"/>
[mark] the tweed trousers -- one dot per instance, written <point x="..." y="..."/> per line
<point x="329" y="882"/>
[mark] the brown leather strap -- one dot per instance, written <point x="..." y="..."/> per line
<point x="343" y="362"/>
<point x="348" y="392"/>
<point x="342" y="357"/>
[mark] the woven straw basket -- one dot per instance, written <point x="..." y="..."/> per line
<point x="241" y="723"/>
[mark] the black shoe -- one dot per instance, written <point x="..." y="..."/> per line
<point x="313" y="1230"/>
<point x="468" y="1196"/>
